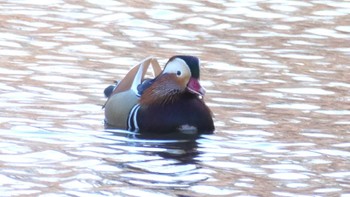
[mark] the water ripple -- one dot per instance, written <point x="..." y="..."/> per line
<point x="276" y="80"/>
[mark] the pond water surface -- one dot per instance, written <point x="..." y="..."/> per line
<point x="277" y="80"/>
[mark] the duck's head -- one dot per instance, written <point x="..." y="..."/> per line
<point x="185" y="71"/>
<point x="180" y="75"/>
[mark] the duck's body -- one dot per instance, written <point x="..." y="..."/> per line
<point x="171" y="102"/>
<point x="187" y="113"/>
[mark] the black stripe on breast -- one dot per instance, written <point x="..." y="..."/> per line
<point x="132" y="118"/>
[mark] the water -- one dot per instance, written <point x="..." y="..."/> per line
<point x="276" y="79"/>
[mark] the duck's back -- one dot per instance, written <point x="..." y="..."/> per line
<point x="124" y="96"/>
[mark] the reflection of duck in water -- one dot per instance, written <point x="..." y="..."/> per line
<point x="170" y="102"/>
<point x="148" y="159"/>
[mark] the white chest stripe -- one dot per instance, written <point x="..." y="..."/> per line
<point x="132" y="118"/>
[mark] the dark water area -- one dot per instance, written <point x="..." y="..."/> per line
<point x="277" y="81"/>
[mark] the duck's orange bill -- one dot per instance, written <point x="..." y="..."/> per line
<point x="195" y="87"/>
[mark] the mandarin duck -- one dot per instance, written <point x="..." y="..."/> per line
<point x="172" y="101"/>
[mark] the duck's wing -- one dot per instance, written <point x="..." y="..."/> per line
<point x="137" y="74"/>
<point x="144" y="85"/>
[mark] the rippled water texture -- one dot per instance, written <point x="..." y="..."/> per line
<point x="277" y="80"/>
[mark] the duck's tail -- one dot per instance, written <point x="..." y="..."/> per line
<point x="109" y="90"/>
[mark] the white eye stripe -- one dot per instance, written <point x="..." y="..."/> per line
<point x="178" y="67"/>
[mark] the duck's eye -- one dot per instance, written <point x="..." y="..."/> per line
<point x="178" y="73"/>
